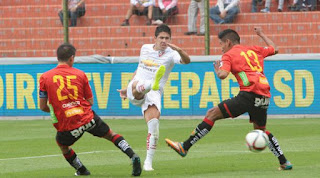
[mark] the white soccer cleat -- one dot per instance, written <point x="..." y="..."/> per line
<point x="147" y="167"/>
<point x="158" y="76"/>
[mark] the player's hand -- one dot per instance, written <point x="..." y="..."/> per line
<point x="216" y="65"/>
<point x="174" y="47"/>
<point x="258" y="30"/>
<point x="123" y="93"/>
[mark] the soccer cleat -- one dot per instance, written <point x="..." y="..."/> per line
<point x="85" y="173"/>
<point x="178" y="147"/>
<point x="136" y="165"/>
<point x="285" y="166"/>
<point x="147" y="167"/>
<point x="159" y="74"/>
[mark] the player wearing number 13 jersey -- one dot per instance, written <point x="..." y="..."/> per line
<point x="246" y="64"/>
<point x="65" y="93"/>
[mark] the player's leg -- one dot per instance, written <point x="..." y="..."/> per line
<point x="227" y="108"/>
<point x="64" y="140"/>
<point x="141" y="87"/>
<point x="151" y="116"/>
<point x="258" y="116"/>
<point x="274" y="147"/>
<point x="199" y="132"/>
<point x="101" y="129"/>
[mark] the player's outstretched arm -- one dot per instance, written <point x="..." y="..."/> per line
<point x="185" y="59"/>
<point x="267" y="40"/>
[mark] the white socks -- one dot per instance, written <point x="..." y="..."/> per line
<point x="152" y="140"/>
<point x="144" y="86"/>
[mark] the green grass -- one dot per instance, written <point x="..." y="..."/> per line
<point x="222" y="153"/>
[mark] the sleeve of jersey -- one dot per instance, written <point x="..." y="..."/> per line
<point x="267" y="51"/>
<point x="42" y="89"/>
<point x="225" y="63"/>
<point x="176" y="57"/>
<point x="87" y="88"/>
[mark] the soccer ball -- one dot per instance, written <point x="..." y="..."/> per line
<point x="257" y="140"/>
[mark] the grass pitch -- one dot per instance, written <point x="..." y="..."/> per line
<point x="28" y="149"/>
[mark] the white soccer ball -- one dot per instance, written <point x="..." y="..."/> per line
<point x="257" y="140"/>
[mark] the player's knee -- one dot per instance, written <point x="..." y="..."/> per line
<point x="214" y="114"/>
<point x="110" y="135"/>
<point x="64" y="149"/>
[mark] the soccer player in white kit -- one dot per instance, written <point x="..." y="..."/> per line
<point x="146" y="87"/>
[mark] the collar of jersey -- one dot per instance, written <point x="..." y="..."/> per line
<point x="63" y="66"/>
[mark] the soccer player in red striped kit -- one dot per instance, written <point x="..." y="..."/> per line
<point x="65" y="93"/>
<point x="246" y="64"/>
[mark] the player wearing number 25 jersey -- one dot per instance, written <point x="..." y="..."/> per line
<point x="65" y="93"/>
<point x="246" y="64"/>
<point x="70" y="90"/>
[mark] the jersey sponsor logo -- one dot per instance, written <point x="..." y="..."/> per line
<point x="74" y="111"/>
<point x="262" y="102"/>
<point x="150" y="63"/>
<point x="71" y="104"/>
<point x="79" y="131"/>
<point x="148" y="69"/>
<point x="263" y="80"/>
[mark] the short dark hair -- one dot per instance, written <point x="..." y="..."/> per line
<point x="162" y="28"/>
<point x="229" y="34"/>
<point x="65" y="51"/>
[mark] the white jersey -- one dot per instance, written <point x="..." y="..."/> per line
<point x="150" y="60"/>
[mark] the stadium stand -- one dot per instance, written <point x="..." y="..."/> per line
<point x="31" y="28"/>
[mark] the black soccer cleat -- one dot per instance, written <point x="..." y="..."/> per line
<point x="136" y="165"/>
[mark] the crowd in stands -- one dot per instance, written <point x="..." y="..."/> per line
<point x="158" y="12"/>
<point x="297" y="5"/>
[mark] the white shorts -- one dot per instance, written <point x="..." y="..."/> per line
<point x="151" y="98"/>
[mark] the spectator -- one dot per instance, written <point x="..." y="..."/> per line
<point x="267" y="6"/>
<point x="309" y="5"/>
<point x="296" y="5"/>
<point x="76" y="8"/>
<point x="139" y="8"/>
<point x="166" y="9"/>
<point x="254" y="4"/>
<point x="225" y="11"/>
<point x="193" y="10"/>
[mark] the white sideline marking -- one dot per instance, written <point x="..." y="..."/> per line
<point x="92" y="152"/>
<point x="46" y="156"/>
